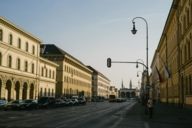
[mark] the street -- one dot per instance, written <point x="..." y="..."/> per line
<point x="129" y="114"/>
<point x="92" y="115"/>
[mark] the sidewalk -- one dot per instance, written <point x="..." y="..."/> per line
<point x="164" y="116"/>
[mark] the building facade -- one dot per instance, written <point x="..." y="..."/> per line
<point x="174" y="55"/>
<point x="47" y="78"/>
<point x="100" y="84"/>
<point x="19" y="63"/>
<point x="73" y="77"/>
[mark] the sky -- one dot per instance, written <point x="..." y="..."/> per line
<point x="94" y="30"/>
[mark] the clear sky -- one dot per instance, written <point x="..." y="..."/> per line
<point x="93" y="30"/>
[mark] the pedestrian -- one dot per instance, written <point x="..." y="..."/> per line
<point x="150" y="107"/>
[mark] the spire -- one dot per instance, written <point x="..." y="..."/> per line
<point x="130" y="84"/>
<point x="122" y="86"/>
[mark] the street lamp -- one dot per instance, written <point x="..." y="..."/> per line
<point x="138" y="73"/>
<point x="134" y="31"/>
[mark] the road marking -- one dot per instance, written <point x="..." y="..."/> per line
<point x="146" y="125"/>
<point x="12" y="117"/>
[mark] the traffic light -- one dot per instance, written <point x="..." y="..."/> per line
<point x="108" y="62"/>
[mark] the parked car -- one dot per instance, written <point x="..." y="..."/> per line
<point x="74" y="101"/>
<point x="2" y="103"/>
<point x="46" y="102"/>
<point x="13" y="105"/>
<point x="59" y="103"/>
<point x="29" y="104"/>
<point x="82" y="100"/>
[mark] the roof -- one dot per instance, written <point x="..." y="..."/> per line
<point x="94" y="70"/>
<point x="52" y="49"/>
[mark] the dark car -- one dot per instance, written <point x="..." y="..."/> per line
<point x="3" y="102"/>
<point x="59" y="103"/>
<point x="46" y="102"/>
<point x="82" y="100"/>
<point x="13" y="105"/>
<point x="29" y="104"/>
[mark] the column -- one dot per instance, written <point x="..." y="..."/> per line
<point x="21" y="92"/>
<point x="3" y="90"/>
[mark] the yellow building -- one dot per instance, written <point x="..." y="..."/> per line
<point x="100" y="84"/>
<point x="19" y="63"/>
<point x="47" y="78"/>
<point x="73" y="77"/>
<point x="173" y="57"/>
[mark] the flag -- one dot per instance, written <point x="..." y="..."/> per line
<point x="167" y="72"/>
<point x="159" y="75"/>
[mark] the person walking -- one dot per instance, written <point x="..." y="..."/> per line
<point x="150" y="107"/>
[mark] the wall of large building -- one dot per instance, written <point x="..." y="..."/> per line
<point x="19" y="63"/>
<point x="174" y="54"/>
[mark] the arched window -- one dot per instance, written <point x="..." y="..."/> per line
<point x="33" y="49"/>
<point x="26" y="46"/>
<point x="32" y="68"/>
<point x="42" y="71"/>
<point x="50" y="73"/>
<point x="19" y="43"/>
<point x="10" y="39"/>
<point x="41" y="92"/>
<point x="45" y="92"/>
<point x="52" y="92"/>
<point x="53" y="75"/>
<point x="18" y="64"/>
<point x="9" y="61"/>
<point x="46" y="72"/>
<point x="0" y="58"/>
<point x="1" y="35"/>
<point x="49" y="92"/>
<point x="26" y="66"/>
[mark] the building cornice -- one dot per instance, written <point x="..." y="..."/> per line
<point x="18" y="29"/>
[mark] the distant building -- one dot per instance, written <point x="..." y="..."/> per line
<point x="100" y="84"/>
<point x="128" y="92"/>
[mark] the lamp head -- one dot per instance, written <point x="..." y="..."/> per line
<point x="137" y="65"/>
<point x="134" y="30"/>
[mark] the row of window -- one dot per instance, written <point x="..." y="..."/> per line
<point x="76" y="72"/>
<point x="186" y="51"/>
<point x="185" y="21"/>
<point x="104" y="86"/>
<point x="45" y="73"/>
<point x="47" y="92"/>
<point x="188" y="84"/>
<point x="10" y="41"/>
<point x="75" y="82"/>
<point x="18" y="63"/>
<point x="26" y="66"/>
<point x="75" y="92"/>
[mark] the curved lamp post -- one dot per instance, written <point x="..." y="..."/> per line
<point x="142" y="62"/>
<point x="134" y="31"/>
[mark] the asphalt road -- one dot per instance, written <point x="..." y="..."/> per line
<point x="92" y="115"/>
